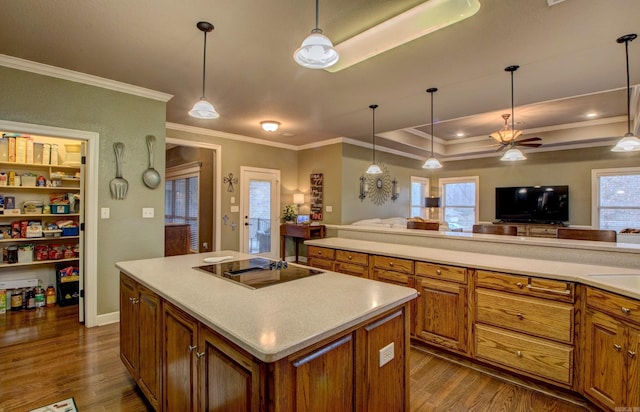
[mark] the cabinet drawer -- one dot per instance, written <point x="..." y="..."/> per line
<point x="351" y="269"/>
<point x="352" y="257"/>
<point x="321" y="252"/>
<point x="389" y="276"/>
<point x="526" y="285"/>
<point x="535" y="356"/>
<point x="539" y="317"/>
<point x="537" y="231"/>
<point x="443" y="272"/>
<point x="615" y="305"/>
<point x="395" y="264"/>
<point x="320" y="263"/>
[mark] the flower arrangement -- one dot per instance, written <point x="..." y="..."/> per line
<point x="288" y="213"/>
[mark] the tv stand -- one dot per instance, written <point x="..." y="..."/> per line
<point x="534" y="229"/>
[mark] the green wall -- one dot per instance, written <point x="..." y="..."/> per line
<point x="117" y="117"/>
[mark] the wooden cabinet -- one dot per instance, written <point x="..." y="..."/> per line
<point x="140" y="343"/>
<point x="612" y="342"/>
<point x="321" y="257"/>
<point x="526" y="324"/>
<point x="352" y="263"/>
<point x="442" y="306"/>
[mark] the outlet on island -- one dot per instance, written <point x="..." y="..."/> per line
<point x="386" y="354"/>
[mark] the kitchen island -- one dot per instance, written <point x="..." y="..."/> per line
<point x="194" y="340"/>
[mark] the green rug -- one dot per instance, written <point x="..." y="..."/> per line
<point x="66" y="405"/>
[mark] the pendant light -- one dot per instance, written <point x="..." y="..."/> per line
<point x="316" y="51"/>
<point x="629" y="143"/>
<point x="203" y="109"/>
<point x="513" y="154"/>
<point x="373" y="168"/>
<point x="432" y="162"/>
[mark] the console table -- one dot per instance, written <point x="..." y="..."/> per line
<point x="298" y="232"/>
<point x="535" y="229"/>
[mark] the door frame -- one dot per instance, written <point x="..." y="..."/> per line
<point x="217" y="182"/>
<point x="275" y="213"/>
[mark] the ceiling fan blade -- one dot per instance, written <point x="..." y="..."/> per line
<point x="528" y="144"/>
<point x="530" y="139"/>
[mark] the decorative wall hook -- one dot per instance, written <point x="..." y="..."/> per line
<point x="395" y="191"/>
<point x="364" y="187"/>
<point x="230" y="180"/>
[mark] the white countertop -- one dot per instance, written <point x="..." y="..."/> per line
<point x="272" y="322"/>
<point x="619" y="280"/>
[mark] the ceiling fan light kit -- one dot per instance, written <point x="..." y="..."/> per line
<point x="629" y="143"/>
<point x="432" y="162"/>
<point x="316" y="51"/>
<point x="202" y="109"/>
<point x="373" y="168"/>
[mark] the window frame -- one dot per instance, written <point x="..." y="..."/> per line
<point x="427" y="184"/>
<point x="595" y="189"/>
<point x="186" y="171"/>
<point x="453" y="180"/>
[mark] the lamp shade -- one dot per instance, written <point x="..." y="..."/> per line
<point x="513" y="155"/>
<point x="629" y="143"/>
<point x="373" y="169"/>
<point x="431" y="202"/>
<point x="316" y="52"/>
<point x="432" y="163"/>
<point x="203" y="110"/>
<point x="298" y="198"/>
<point x="269" y="125"/>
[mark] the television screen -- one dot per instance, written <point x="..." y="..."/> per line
<point x="539" y="204"/>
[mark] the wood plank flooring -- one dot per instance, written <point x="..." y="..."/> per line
<point x="46" y="356"/>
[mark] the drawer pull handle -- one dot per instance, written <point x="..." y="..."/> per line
<point x="518" y="354"/>
<point x="191" y="348"/>
<point x="519" y="316"/>
<point x="624" y="310"/>
<point x="438" y="272"/>
<point x="391" y="264"/>
<point x="617" y="347"/>
<point x="561" y="292"/>
<point x="199" y="354"/>
<point x="631" y="354"/>
<point x="519" y="284"/>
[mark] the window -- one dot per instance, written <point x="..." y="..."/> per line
<point x="419" y="190"/>
<point x="459" y="198"/>
<point x="181" y="195"/>
<point x="616" y="200"/>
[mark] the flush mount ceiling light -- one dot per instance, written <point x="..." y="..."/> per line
<point x="629" y="143"/>
<point x="373" y="168"/>
<point x="203" y="109"/>
<point x="316" y="51"/>
<point x="269" y="125"/>
<point x="421" y="20"/>
<point x="432" y="162"/>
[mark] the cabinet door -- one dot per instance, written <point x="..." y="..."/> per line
<point x="229" y="380"/>
<point x="324" y="379"/>
<point x="633" y="368"/>
<point x="604" y="360"/>
<point x="441" y="314"/>
<point x="179" y="364"/>
<point x="149" y="321"/>
<point x="129" y="325"/>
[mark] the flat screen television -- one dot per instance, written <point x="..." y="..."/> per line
<point x="536" y="204"/>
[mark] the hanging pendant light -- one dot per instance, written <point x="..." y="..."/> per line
<point x="203" y="109"/>
<point x="373" y="168"/>
<point x="432" y="162"/>
<point x="629" y="143"/>
<point x="316" y="51"/>
<point x="513" y="154"/>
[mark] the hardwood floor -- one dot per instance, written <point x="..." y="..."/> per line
<point x="46" y="356"/>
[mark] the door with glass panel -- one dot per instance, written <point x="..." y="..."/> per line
<point x="259" y="211"/>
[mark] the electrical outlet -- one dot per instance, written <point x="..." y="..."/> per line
<point x="386" y="354"/>
<point x="147" y="212"/>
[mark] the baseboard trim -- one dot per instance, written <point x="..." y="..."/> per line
<point x="108" y="318"/>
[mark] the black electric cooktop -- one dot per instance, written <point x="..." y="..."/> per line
<point x="258" y="272"/>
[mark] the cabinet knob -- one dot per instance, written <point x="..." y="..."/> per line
<point x="519" y="284"/>
<point x="199" y="354"/>
<point x="438" y="272"/>
<point x="130" y="299"/>
<point x="519" y="316"/>
<point x="191" y="348"/>
<point x="624" y="310"/>
<point x="617" y="347"/>
<point x="518" y="354"/>
<point x="631" y="354"/>
<point x="319" y="252"/>
<point x="350" y="257"/>
<point x="391" y="264"/>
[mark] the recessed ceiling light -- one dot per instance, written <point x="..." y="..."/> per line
<point x="591" y="114"/>
<point x="460" y="134"/>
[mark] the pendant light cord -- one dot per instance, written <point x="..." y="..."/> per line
<point x="626" y="49"/>
<point x="317" y="14"/>
<point x="431" y="124"/>
<point x="204" y="62"/>
<point x="373" y="108"/>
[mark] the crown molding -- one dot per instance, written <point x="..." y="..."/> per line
<point x="78" y="77"/>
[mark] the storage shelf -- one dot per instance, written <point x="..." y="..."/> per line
<point x="37" y="262"/>
<point x="37" y="239"/>
<point x="47" y="188"/>
<point x="38" y="166"/>
<point x="32" y="215"/>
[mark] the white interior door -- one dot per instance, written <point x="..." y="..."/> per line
<point x="259" y="211"/>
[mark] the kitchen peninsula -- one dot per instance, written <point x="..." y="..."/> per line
<point x="189" y="337"/>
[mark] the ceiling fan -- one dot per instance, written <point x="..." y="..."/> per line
<point x="508" y="136"/>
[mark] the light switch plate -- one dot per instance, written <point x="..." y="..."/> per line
<point x="328" y="209"/>
<point x="147" y="212"/>
<point x="386" y="354"/>
<point x="235" y="208"/>
<point x="104" y="213"/>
